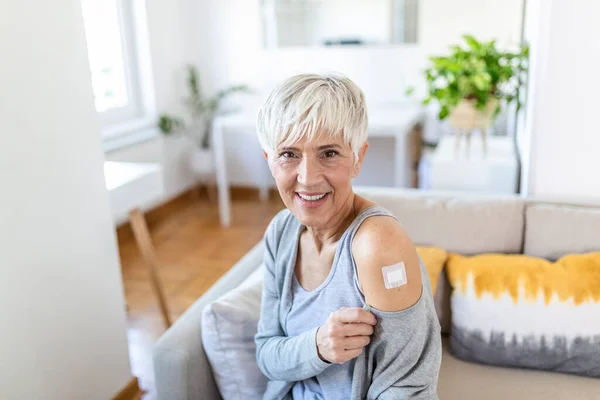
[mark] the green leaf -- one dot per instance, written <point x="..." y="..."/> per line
<point x="444" y="112"/>
<point x="480" y="82"/>
<point x="169" y="124"/>
<point x="472" y="42"/>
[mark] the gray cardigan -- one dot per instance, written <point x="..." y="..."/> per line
<point x="401" y="362"/>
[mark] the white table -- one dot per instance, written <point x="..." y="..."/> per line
<point x="132" y="185"/>
<point x="395" y="121"/>
<point x="494" y="172"/>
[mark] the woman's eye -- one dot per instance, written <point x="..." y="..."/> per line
<point x="331" y="153"/>
<point x="287" y="154"/>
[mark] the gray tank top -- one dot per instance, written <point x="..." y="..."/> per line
<point x="310" y="309"/>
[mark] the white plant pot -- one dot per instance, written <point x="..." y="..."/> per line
<point x="202" y="161"/>
<point x="465" y="117"/>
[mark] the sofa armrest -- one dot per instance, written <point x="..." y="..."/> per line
<point x="181" y="368"/>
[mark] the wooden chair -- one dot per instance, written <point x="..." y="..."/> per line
<point x="144" y="242"/>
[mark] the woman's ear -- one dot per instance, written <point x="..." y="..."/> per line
<point x="358" y="162"/>
<point x="268" y="161"/>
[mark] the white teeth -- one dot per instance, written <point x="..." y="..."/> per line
<point x="312" y="198"/>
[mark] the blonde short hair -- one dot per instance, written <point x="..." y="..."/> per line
<point x="308" y="105"/>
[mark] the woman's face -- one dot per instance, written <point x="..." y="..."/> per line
<point x="314" y="178"/>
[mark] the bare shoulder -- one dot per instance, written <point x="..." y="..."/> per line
<point x="379" y="242"/>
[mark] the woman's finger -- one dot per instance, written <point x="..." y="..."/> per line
<point x="357" y="329"/>
<point x="355" y="315"/>
<point x="356" y="342"/>
<point x="350" y="354"/>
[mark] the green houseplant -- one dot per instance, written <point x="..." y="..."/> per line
<point x="202" y="110"/>
<point x="477" y="78"/>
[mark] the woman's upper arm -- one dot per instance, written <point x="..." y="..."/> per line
<point x="406" y="354"/>
<point x="381" y="242"/>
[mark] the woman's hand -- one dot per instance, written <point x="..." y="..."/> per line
<point x="344" y="334"/>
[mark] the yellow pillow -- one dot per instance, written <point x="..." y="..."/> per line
<point x="434" y="259"/>
<point x="522" y="311"/>
<point x="575" y="276"/>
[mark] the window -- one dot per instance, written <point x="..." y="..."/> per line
<point x="115" y="41"/>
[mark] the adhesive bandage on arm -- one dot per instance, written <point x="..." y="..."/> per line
<point x="394" y="275"/>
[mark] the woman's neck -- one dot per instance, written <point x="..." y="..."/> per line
<point x="333" y="231"/>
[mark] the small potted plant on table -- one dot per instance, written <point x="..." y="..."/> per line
<point x="472" y="83"/>
<point x="202" y="112"/>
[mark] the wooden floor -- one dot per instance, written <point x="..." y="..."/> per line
<point x="194" y="252"/>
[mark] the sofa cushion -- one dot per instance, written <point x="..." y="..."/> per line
<point x="466" y="225"/>
<point x="462" y="380"/>
<point x="433" y="259"/>
<point x="441" y="300"/>
<point x="517" y="310"/>
<point x="228" y="328"/>
<point x="552" y="231"/>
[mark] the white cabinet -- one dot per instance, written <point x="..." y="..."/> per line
<point x="133" y="185"/>
<point x="495" y="171"/>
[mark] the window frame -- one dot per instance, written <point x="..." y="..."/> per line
<point x="132" y="110"/>
<point x="136" y="122"/>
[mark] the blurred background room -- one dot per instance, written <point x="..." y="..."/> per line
<point x="132" y="175"/>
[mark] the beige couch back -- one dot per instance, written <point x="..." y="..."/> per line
<point x="553" y="230"/>
<point x="471" y="224"/>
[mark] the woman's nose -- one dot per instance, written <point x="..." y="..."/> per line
<point x="309" y="172"/>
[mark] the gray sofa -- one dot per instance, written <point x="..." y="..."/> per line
<point x="467" y="224"/>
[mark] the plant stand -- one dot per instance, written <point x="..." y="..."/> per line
<point x="465" y="118"/>
<point x="202" y="164"/>
<point x="466" y="135"/>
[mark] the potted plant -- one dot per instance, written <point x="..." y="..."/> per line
<point x="472" y="83"/>
<point x="202" y="111"/>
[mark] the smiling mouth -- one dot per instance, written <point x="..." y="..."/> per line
<point x="313" y="197"/>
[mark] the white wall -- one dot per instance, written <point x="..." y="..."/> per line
<point x="562" y="123"/>
<point x="532" y="28"/>
<point x="61" y="299"/>
<point x="224" y="39"/>
<point x="443" y="22"/>
<point x="229" y="33"/>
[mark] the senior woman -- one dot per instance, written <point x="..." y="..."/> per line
<point x="347" y="309"/>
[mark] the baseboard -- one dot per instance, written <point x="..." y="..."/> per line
<point x="131" y="391"/>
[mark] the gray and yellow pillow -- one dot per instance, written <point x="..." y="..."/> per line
<point x="522" y="311"/>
